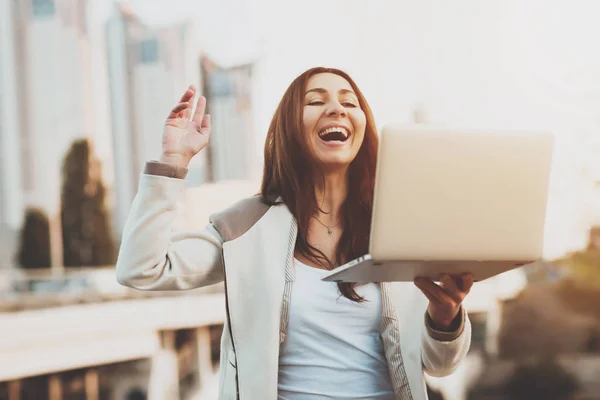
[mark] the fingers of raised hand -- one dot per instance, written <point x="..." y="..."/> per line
<point x="199" y="113"/>
<point x="205" y="125"/>
<point x="190" y="100"/>
<point x="184" y="107"/>
<point x="178" y="110"/>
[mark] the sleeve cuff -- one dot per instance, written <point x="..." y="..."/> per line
<point x="162" y="169"/>
<point x="443" y="336"/>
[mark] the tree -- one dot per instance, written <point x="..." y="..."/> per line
<point x="87" y="237"/>
<point x="34" y="247"/>
<point x="585" y="264"/>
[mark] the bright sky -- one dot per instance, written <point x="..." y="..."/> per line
<point x="489" y="64"/>
<point x="544" y="47"/>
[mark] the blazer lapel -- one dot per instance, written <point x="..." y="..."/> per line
<point x="256" y="275"/>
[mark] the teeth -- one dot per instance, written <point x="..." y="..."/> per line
<point x="335" y="129"/>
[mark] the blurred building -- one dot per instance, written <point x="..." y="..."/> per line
<point x="149" y="69"/>
<point x="52" y="74"/>
<point x="11" y="204"/>
<point x="54" y="91"/>
<point x="46" y="100"/>
<point x="228" y="91"/>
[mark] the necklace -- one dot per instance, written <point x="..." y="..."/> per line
<point x="329" y="231"/>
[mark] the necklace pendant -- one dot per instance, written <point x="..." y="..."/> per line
<point x="329" y="231"/>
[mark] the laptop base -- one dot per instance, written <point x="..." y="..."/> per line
<point x="364" y="269"/>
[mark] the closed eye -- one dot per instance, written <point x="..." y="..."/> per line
<point x="320" y="103"/>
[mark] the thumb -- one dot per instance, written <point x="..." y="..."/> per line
<point x="205" y="124"/>
<point x="206" y="121"/>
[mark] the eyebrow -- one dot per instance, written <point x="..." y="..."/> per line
<point x="323" y="91"/>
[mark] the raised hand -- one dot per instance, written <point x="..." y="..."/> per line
<point x="445" y="299"/>
<point x="184" y="134"/>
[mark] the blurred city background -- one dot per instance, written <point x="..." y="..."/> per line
<point x="85" y="86"/>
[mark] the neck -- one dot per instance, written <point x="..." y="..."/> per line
<point x="331" y="194"/>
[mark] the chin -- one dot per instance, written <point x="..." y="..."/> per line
<point x="335" y="156"/>
<point x="335" y="163"/>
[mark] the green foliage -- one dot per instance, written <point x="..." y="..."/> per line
<point x="584" y="265"/>
<point x="34" y="246"/>
<point x="87" y="237"/>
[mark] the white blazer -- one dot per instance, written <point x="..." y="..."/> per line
<point x="251" y="246"/>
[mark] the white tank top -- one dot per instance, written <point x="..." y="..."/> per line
<point x="333" y="348"/>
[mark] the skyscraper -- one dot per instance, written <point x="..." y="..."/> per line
<point x="149" y="69"/>
<point x="231" y="150"/>
<point x="46" y="100"/>
<point x="46" y="82"/>
<point x="11" y="203"/>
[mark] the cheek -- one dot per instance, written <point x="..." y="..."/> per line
<point x="309" y="119"/>
<point x="360" y="123"/>
<point x="358" y="142"/>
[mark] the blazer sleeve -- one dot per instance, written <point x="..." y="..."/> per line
<point x="152" y="256"/>
<point x="442" y="352"/>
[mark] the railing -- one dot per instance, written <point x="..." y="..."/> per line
<point x="45" y="288"/>
<point x="38" y="342"/>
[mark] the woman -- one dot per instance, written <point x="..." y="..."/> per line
<point x="290" y="335"/>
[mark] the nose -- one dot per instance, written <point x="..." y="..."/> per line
<point x="335" y="109"/>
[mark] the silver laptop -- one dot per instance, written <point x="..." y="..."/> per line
<point x="453" y="201"/>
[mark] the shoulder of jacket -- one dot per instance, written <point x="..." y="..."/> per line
<point x="237" y="219"/>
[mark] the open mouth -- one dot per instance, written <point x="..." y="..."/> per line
<point x="335" y="134"/>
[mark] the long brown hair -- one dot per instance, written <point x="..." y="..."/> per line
<point x="289" y="169"/>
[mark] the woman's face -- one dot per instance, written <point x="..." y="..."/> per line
<point x="333" y="120"/>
